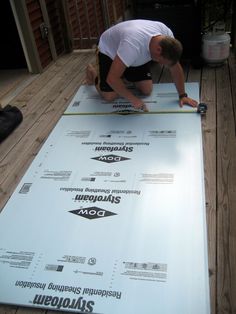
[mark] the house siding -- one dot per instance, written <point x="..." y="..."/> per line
<point x="36" y="19"/>
<point x="76" y="24"/>
<point x="54" y="9"/>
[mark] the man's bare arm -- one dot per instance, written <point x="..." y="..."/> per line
<point x="114" y="79"/>
<point x="178" y="78"/>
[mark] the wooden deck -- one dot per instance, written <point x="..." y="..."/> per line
<point x="44" y="100"/>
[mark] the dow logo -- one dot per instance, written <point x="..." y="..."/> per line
<point x="110" y="158"/>
<point x="92" y="212"/>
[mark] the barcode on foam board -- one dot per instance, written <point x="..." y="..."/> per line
<point x="51" y="267"/>
<point x="88" y="179"/>
<point x="25" y="188"/>
<point x="76" y="104"/>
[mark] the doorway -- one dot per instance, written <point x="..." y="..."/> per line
<point x="11" y="55"/>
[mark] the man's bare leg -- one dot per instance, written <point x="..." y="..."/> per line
<point x="91" y="78"/>
<point x="91" y="75"/>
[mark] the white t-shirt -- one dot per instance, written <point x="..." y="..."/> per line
<point x="130" y="40"/>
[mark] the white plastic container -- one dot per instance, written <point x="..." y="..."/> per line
<point x="215" y="48"/>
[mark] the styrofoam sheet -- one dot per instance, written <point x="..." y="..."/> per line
<point x="164" y="98"/>
<point x="110" y="218"/>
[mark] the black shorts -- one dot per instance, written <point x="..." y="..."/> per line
<point x="131" y="74"/>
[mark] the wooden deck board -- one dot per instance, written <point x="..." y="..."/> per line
<point x="10" y="80"/>
<point x="232" y="72"/>
<point x="42" y="103"/>
<point x="208" y="96"/>
<point x="226" y="196"/>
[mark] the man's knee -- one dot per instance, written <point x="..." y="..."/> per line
<point x="147" y="90"/>
<point x="145" y="87"/>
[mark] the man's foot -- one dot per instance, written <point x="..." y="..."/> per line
<point x="91" y="74"/>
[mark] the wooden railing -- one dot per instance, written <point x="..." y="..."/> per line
<point x="89" y="18"/>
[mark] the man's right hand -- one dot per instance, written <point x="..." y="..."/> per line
<point x="140" y="105"/>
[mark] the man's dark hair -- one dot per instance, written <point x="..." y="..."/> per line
<point x="171" y="49"/>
